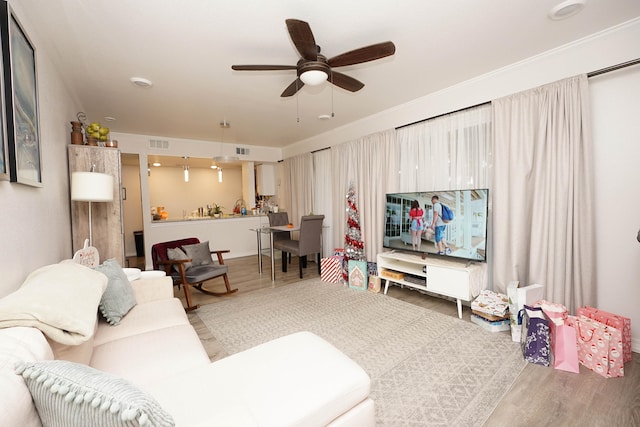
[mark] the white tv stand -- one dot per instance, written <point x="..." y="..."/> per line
<point x="456" y="279"/>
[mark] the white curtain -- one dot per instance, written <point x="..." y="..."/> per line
<point x="451" y="152"/>
<point x="323" y="197"/>
<point x="298" y="177"/>
<point x="543" y="198"/>
<point x="370" y="165"/>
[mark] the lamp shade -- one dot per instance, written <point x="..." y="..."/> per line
<point x="91" y="187"/>
<point x="313" y="77"/>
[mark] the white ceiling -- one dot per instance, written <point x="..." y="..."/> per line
<point x="187" y="48"/>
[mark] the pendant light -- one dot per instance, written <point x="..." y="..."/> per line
<point x="186" y="169"/>
<point x="222" y="158"/>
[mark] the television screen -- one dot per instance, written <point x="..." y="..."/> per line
<point x="409" y="223"/>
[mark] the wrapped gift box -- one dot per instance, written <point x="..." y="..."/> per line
<point x="331" y="269"/>
<point x="338" y="252"/>
<point x="498" y="326"/>
<point x="492" y="303"/>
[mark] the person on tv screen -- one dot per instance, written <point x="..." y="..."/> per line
<point x="416" y="215"/>
<point x="438" y="226"/>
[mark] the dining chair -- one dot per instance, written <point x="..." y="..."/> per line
<point x="276" y="219"/>
<point x="308" y="243"/>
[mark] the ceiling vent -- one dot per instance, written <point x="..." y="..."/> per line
<point x="243" y="151"/>
<point x="162" y="144"/>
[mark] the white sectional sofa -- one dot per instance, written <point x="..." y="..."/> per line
<point x="296" y="380"/>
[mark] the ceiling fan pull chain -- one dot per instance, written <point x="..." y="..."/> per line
<point x="332" y="113"/>
<point x="297" y="103"/>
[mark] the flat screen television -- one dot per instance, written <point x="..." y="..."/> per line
<point x="465" y="235"/>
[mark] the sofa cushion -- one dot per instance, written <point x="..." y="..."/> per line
<point x="118" y="298"/>
<point x="16" y="345"/>
<point x="143" y="318"/>
<point x="176" y="254"/>
<point x="72" y="394"/>
<point x="60" y="299"/>
<point x="296" y="380"/>
<point x="152" y="355"/>
<point x="199" y="253"/>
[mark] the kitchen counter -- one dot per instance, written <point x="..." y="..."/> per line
<point x="232" y="232"/>
<point x="206" y="218"/>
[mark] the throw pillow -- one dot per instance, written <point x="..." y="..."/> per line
<point x="70" y="394"/>
<point x="175" y="254"/>
<point x="118" y="298"/>
<point x="199" y="253"/>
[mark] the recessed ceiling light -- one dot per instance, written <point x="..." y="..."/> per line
<point x="324" y="117"/>
<point x="566" y="9"/>
<point x="141" y="82"/>
<point x="109" y="119"/>
<point x="156" y="164"/>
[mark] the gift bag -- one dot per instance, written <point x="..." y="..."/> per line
<point x="534" y="339"/>
<point x="619" y="322"/>
<point x="358" y="278"/>
<point x="599" y="346"/>
<point x="331" y="269"/>
<point x="564" y="347"/>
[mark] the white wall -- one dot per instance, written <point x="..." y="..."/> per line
<point x="35" y="225"/>
<point x="616" y="130"/>
<point x="167" y="188"/>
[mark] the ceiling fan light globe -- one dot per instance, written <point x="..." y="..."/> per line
<point x="313" y="77"/>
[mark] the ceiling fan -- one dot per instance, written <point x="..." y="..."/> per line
<point x="314" y="68"/>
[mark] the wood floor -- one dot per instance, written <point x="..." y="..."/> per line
<point x="539" y="397"/>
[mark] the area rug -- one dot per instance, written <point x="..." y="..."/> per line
<point x="427" y="369"/>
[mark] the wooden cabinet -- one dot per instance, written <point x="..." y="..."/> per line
<point x="454" y="279"/>
<point x="107" y="220"/>
<point x="266" y="179"/>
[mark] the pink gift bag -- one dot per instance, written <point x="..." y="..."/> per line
<point x="619" y="322"/>
<point x="563" y="337"/>
<point x="564" y="347"/>
<point x="599" y="346"/>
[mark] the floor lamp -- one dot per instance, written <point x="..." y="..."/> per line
<point x="91" y="187"/>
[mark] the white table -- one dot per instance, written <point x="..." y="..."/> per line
<point x="263" y="230"/>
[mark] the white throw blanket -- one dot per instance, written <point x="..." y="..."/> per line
<point x="60" y="299"/>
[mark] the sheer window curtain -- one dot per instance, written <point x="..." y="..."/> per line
<point x="447" y="153"/>
<point x="543" y="199"/>
<point x="370" y="164"/>
<point x="323" y="196"/>
<point x="452" y="152"/>
<point x="298" y="176"/>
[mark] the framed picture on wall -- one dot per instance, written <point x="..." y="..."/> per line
<point x="4" y="153"/>
<point x="20" y="101"/>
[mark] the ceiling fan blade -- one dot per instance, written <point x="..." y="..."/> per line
<point x="364" y="54"/>
<point x="262" y="67"/>
<point x="302" y="38"/>
<point x="292" y="88"/>
<point x="345" y="82"/>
